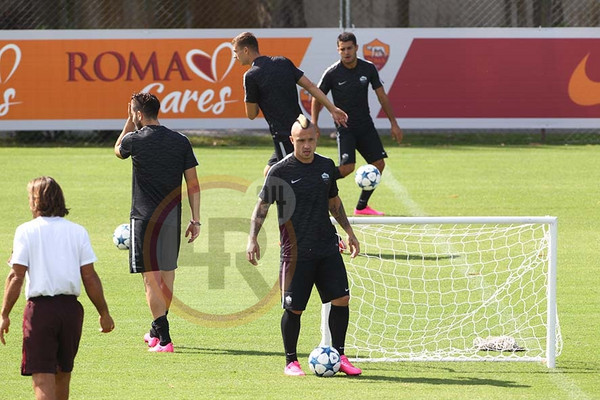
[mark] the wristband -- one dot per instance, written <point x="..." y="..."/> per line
<point x="195" y="223"/>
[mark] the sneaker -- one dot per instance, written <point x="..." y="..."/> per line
<point x="293" y="369"/>
<point x="341" y="244"/>
<point x="347" y="368"/>
<point x="151" y="341"/>
<point x="162" y="349"/>
<point x="367" y="211"/>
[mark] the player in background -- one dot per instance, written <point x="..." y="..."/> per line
<point x="160" y="158"/>
<point x="270" y="86"/>
<point x="348" y="80"/>
<point x="303" y="187"/>
<point x="54" y="256"/>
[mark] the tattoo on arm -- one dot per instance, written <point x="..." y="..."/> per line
<point x="336" y="208"/>
<point x="258" y="217"/>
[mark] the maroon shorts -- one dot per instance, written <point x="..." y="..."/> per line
<point x="51" y="332"/>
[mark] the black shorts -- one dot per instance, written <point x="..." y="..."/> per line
<point x="283" y="146"/>
<point x="328" y="274"/>
<point x="51" y="334"/>
<point x="363" y="138"/>
<point x="154" y="246"/>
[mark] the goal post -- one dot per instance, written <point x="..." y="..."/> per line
<point x="453" y="289"/>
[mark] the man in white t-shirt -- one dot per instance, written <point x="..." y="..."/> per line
<point x="53" y="256"/>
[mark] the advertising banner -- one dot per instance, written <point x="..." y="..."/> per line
<point x="435" y="78"/>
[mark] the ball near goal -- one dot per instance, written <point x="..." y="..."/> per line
<point x="454" y="289"/>
<point x="324" y="361"/>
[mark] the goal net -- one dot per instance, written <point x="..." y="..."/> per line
<point x="454" y="289"/>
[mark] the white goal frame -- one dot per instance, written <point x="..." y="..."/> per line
<point x="553" y="338"/>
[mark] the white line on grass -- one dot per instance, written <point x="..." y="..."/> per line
<point x="414" y="209"/>
<point x="568" y="385"/>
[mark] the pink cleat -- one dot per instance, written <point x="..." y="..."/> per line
<point x="151" y="341"/>
<point x="367" y="211"/>
<point x="162" y="349"/>
<point x="347" y="368"/>
<point x="293" y="369"/>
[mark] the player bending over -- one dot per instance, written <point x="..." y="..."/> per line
<point x="270" y="85"/>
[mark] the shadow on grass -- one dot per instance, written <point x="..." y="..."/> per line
<point x="367" y="375"/>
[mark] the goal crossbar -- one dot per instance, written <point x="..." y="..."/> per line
<point x="429" y="288"/>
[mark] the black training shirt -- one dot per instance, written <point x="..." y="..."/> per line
<point x="271" y="83"/>
<point x="349" y="89"/>
<point x="302" y="192"/>
<point x="159" y="157"/>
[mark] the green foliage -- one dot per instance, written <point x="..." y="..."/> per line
<point x="217" y="357"/>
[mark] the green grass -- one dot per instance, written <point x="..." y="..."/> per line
<point x="217" y="357"/>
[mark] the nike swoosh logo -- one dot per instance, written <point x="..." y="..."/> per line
<point x="583" y="90"/>
<point x="295" y="180"/>
<point x="341" y="83"/>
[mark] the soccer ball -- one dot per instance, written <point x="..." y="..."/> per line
<point x="367" y="177"/>
<point x="324" y="361"/>
<point x="122" y="237"/>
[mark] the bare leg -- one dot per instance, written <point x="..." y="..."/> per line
<point x="63" y="379"/>
<point x="51" y="386"/>
<point x="159" y="291"/>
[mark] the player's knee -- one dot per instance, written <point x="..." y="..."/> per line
<point x="346" y="170"/>
<point x="341" y="301"/>
<point x="379" y="164"/>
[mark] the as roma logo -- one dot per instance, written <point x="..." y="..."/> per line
<point x="377" y="52"/>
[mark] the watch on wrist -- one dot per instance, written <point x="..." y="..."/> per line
<point x="195" y="223"/>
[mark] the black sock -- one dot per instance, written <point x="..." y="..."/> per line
<point x="338" y="325"/>
<point x="290" y="330"/>
<point x="153" y="332"/>
<point x="365" y="195"/>
<point x="161" y="326"/>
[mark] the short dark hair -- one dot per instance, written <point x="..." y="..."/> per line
<point x="147" y="103"/>
<point x="346" y="37"/>
<point x="246" y="39"/>
<point x="46" y="197"/>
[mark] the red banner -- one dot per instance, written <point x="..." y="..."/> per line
<point x="498" y="78"/>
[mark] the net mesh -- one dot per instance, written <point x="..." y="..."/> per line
<point x="430" y="291"/>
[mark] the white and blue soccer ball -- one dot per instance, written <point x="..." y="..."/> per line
<point x="367" y="177"/>
<point x="324" y="361"/>
<point x="122" y="237"/>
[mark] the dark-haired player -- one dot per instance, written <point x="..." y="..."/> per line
<point x="160" y="158"/>
<point x="270" y="85"/>
<point x="348" y="80"/>
<point x="303" y="187"/>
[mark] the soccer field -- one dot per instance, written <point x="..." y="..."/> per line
<point x="225" y="320"/>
